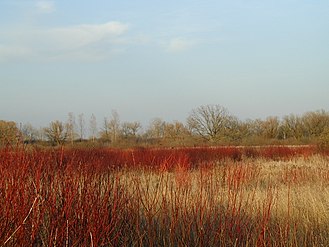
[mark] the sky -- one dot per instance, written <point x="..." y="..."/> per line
<point x="147" y="59"/>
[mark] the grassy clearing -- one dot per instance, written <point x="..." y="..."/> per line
<point x="79" y="198"/>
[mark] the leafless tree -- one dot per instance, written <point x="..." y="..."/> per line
<point x="81" y="122"/>
<point x="175" y="130"/>
<point x="292" y="127"/>
<point x="112" y="127"/>
<point x="209" y="121"/>
<point x="71" y="126"/>
<point x="56" y="132"/>
<point x="130" y="129"/>
<point x="29" y="133"/>
<point x="93" y="127"/>
<point x="270" y="127"/>
<point x="105" y="132"/>
<point x="9" y="133"/>
<point x="156" y="128"/>
<point x="315" y="123"/>
<point x="40" y="134"/>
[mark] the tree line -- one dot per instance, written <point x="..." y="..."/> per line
<point x="205" y="125"/>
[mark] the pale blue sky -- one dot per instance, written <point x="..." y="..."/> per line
<point x="149" y="59"/>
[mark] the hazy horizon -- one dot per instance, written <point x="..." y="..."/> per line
<point x="162" y="58"/>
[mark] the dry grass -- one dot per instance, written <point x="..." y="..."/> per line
<point x="81" y="202"/>
<point x="252" y="202"/>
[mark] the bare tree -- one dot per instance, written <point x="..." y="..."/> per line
<point x="81" y="122"/>
<point x="254" y="127"/>
<point x="56" y="133"/>
<point x="292" y="127"/>
<point x="130" y="129"/>
<point x="105" y="132"/>
<point x="93" y="127"/>
<point x="9" y="133"/>
<point x="209" y="121"/>
<point x="114" y="126"/>
<point x="156" y="128"/>
<point x="315" y="123"/>
<point x="270" y="127"/>
<point x="71" y="126"/>
<point x="234" y="129"/>
<point x="29" y="133"/>
<point x="40" y="134"/>
<point x="175" y="130"/>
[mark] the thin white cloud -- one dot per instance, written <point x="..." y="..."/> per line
<point x="179" y="45"/>
<point x="82" y="35"/>
<point x="13" y="52"/>
<point x="44" y="6"/>
<point x="80" y="42"/>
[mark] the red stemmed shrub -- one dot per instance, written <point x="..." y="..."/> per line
<point x="203" y="196"/>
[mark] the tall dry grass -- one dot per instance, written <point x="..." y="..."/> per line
<point x="79" y="198"/>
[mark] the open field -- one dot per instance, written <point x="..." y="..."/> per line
<point x="226" y="196"/>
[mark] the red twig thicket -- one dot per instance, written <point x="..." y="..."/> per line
<point x="135" y="197"/>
